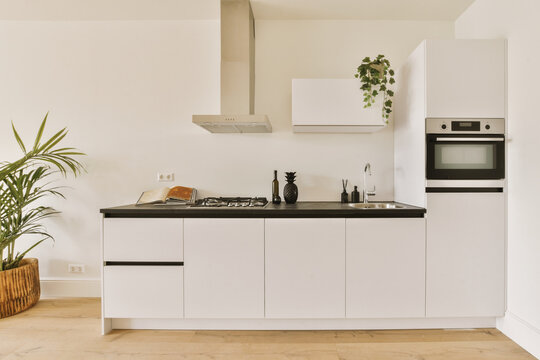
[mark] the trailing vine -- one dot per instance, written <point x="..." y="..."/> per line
<point x="376" y="77"/>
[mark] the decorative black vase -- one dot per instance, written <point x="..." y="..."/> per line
<point x="290" y="191"/>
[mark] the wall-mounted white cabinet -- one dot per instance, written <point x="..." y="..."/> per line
<point x="224" y="268"/>
<point x="333" y="106"/>
<point x="465" y="78"/>
<point x="305" y="268"/>
<point x="386" y="268"/>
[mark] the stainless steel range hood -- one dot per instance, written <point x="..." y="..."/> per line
<point x="237" y="74"/>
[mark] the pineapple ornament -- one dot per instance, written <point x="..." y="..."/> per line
<point x="290" y="191"/>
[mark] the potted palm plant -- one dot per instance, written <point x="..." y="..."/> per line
<point x="24" y="184"/>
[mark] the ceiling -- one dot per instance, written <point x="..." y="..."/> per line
<point x="442" y="10"/>
<point x="109" y="9"/>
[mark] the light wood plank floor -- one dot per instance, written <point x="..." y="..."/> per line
<point x="70" y="329"/>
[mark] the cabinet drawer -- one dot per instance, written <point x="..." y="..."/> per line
<point x="143" y="239"/>
<point x="143" y="291"/>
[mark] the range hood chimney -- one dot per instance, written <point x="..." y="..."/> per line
<point x="237" y="74"/>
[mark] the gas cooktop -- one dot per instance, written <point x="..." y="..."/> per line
<point x="231" y="202"/>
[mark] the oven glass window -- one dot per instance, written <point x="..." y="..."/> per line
<point x="465" y="156"/>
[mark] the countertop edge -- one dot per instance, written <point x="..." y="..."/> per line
<point x="302" y="210"/>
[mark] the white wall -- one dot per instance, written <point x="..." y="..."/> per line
<point x="518" y="22"/>
<point x="127" y="90"/>
<point x="329" y="49"/>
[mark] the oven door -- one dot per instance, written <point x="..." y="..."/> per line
<point x="464" y="156"/>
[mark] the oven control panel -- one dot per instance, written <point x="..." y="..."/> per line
<point x="464" y="126"/>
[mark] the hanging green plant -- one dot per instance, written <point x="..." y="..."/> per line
<point x="376" y="77"/>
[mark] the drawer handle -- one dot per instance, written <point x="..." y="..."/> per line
<point x="144" y="263"/>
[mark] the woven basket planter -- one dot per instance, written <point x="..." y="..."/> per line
<point x="19" y="288"/>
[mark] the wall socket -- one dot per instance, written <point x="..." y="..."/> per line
<point x="76" y="268"/>
<point x="164" y="177"/>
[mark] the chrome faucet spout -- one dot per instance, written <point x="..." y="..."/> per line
<point x="365" y="192"/>
<point x="367" y="169"/>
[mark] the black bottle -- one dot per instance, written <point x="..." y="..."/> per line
<point x="344" y="194"/>
<point x="275" y="190"/>
<point x="344" y="197"/>
<point x="355" y="195"/>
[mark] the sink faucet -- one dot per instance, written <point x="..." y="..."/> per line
<point x="366" y="193"/>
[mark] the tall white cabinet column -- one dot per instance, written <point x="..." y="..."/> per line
<point x="465" y="237"/>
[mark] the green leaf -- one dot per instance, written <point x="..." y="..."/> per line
<point x="391" y="81"/>
<point x="40" y="131"/>
<point x="366" y="59"/>
<point x="391" y="72"/>
<point x="390" y="93"/>
<point x="18" y="138"/>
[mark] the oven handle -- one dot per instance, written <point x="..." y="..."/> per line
<point x="468" y="139"/>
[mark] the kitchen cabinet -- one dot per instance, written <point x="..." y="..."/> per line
<point x="135" y="239"/>
<point x="385" y="268"/>
<point x="333" y="105"/>
<point x="442" y="79"/>
<point x="305" y="268"/>
<point x="465" y="254"/>
<point x="465" y="78"/>
<point x="142" y="291"/>
<point x="143" y="275"/>
<point x="224" y="268"/>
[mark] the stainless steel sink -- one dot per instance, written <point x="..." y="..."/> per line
<point x="376" y="206"/>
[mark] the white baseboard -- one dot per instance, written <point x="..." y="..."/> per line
<point x="520" y="331"/>
<point x="298" y="324"/>
<point x="53" y="288"/>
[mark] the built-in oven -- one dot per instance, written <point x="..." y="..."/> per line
<point x="465" y="149"/>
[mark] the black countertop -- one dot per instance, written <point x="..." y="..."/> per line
<point x="304" y="209"/>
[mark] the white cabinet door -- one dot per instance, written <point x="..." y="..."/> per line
<point x="305" y="268"/>
<point x="136" y="239"/>
<point x="465" y="78"/>
<point x="224" y="268"/>
<point x="465" y="254"/>
<point x="142" y="292"/>
<point x="333" y="105"/>
<point x="386" y="268"/>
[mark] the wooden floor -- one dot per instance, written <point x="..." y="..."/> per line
<point x="70" y="329"/>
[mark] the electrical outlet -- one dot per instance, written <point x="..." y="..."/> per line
<point x="165" y="177"/>
<point x="76" y="268"/>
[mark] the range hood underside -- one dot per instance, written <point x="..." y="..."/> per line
<point x="234" y="123"/>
